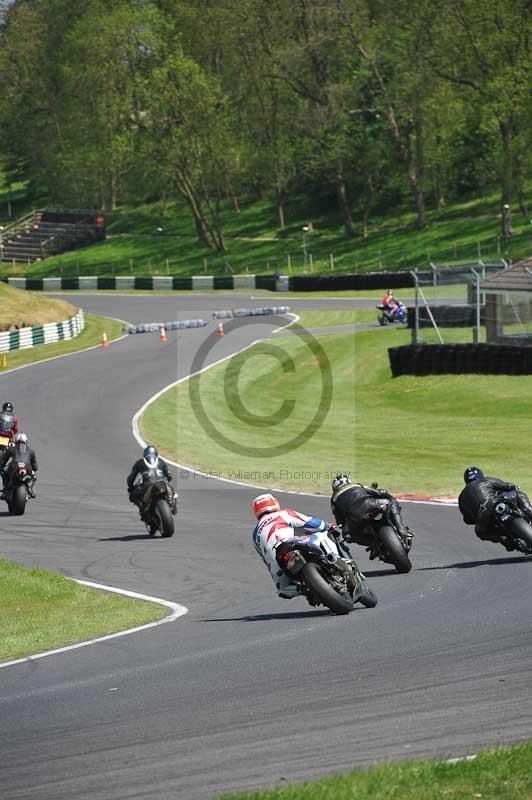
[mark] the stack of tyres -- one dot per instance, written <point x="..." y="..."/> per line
<point x="501" y="359"/>
<point x="461" y="357"/>
<point x="515" y="361"/>
<point x="484" y="359"/>
<point x="436" y="358"/>
<point x="527" y="360"/>
<point x="406" y="362"/>
<point x="470" y="358"/>
<point x="422" y="359"/>
<point x="448" y="359"/>
<point x="393" y="356"/>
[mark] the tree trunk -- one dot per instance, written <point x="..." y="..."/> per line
<point x="279" y="199"/>
<point x="506" y="174"/>
<point x="365" y="218"/>
<point x="203" y="229"/>
<point x="343" y="204"/>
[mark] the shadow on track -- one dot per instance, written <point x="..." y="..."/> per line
<point x="472" y="564"/>
<point x="280" y="616"/>
<point x="379" y="573"/>
<point x="129" y="537"/>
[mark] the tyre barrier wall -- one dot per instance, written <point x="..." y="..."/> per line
<point x="42" y="334"/>
<point x="155" y="327"/>
<point x="446" y="316"/>
<point x="156" y="283"/>
<point x="460" y="359"/>
<point x="464" y="316"/>
<point x="250" y="312"/>
<point x="389" y="279"/>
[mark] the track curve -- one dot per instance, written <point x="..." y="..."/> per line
<point x="245" y="690"/>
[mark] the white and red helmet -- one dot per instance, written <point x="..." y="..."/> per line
<point x="265" y="504"/>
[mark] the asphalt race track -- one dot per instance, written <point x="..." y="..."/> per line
<point x="245" y="690"/>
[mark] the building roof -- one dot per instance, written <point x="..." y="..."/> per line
<point x="517" y="278"/>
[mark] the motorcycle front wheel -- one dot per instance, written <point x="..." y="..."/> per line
<point x="313" y="578"/>
<point x="392" y="549"/>
<point x="165" y="517"/>
<point x="367" y="597"/>
<point x="18" y="505"/>
<point x="520" y="529"/>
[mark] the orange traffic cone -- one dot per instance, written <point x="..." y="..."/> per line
<point x="162" y="334"/>
<point x="105" y="340"/>
<point x="220" y="330"/>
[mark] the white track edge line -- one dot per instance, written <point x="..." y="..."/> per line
<point x="176" y="609"/>
<point x="135" y="424"/>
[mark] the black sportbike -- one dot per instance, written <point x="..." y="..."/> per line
<point x="325" y="572"/>
<point x="19" y="487"/>
<point x="378" y="533"/>
<point x="511" y="524"/>
<point x="158" y="504"/>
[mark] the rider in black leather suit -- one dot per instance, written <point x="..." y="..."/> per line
<point x="478" y="498"/>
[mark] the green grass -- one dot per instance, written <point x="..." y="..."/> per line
<point x="333" y="317"/>
<point x="502" y="774"/>
<point x="42" y="611"/>
<point x="412" y="434"/>
<point x="459" y="233"/>
<point x="90" y="336"/>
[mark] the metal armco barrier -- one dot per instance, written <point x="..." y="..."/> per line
<point x="250" y="312"/>
<point x="154" y="327"/>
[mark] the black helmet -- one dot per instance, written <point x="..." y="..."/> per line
<point x="339" y="481"/>
<point x="473" y="474"/>
<point x="8" y="407"/>
<point x="150" y="455"/>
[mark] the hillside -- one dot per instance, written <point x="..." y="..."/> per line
<point x="21" y="309"/>
<point x="156" y="239"/>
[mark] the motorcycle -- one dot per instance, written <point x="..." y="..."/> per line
<point x="379" y="534"/>
<point x="18" y="488"/>
<point x="322" y="566"/>
<point x="388" y="316"/>
<point x="158" y="504"/>
<point x="514" y="527"/>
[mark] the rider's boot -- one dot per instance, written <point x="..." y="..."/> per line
<point x="395" y="514"/>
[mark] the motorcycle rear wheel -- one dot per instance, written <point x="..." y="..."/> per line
<point x="18" y="505"/>
<point x="520" y="529"/>
<point x="164" y="514"/>
<point x="313" y="578"/>
<point x="392" y="549"/>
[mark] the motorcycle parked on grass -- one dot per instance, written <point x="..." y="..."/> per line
<point x="19" y="487"/>
<point x="379" y="535"/>
<point x="158" y="504"/>
<point x="325" y="572"/>
<point x="511" y="523"/>
<point x="388" y="315"/>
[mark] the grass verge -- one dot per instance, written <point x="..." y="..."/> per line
<point x="334" y="317"/>
<point x="412" y="434"/>
<point x="502" y="774"/>
<point x="90" y="336"/>
<point x="42" y="611"/>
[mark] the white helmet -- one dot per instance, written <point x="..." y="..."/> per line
<point x="21" y="437"/>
